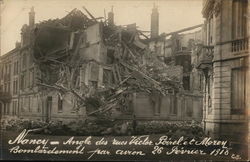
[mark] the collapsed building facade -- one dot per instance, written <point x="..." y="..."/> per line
<point x="79" y="66"/>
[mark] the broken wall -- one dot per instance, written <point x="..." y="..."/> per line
<point x="94" y="55"/>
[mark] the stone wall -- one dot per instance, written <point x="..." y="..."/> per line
<point x="188" y="107"/>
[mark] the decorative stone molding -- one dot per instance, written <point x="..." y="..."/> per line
<point x="217" y="7"/>
<point x="207" y="8"/>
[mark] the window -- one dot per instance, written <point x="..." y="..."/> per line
<point x="209" y="93"/>
<point x="155" y="99"/>
<point x="5" y="87"/>
<point x="29" y="104"/>
<point x="186" y="83"/>
<point x="24" y="60"/>
<point x="239" y="18"/>
<point x="94" y="72"/>
<point x="16" y="68"/>
<point x="178" y="45"/>
<point x="38" y="105"/>
<point x="9" y="69"/>
<point x="31" y="78"/>
<point x="4" y="108"/>
<point x="200" y="82"/>
<point x="110" y="56"/>
<point x="14" y="87"/>
<point x="189" y="107"/>
<point x="9" y="87"/>
<point x="14" y="108"/>
<point x="22" y="82"/>
<point x="238" y="90"/>
<point x="60" y="103"/>
<point x="8" y="108"/>
<point x="173" y="105"/>
<point x="21" y="104"/>
<point x="107" y="77"/>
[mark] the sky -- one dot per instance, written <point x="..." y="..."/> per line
<point x="173" y="14"/>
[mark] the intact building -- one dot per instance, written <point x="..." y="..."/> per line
<point x="224" y="60"/>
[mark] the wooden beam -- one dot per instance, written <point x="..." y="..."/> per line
<point x="182" y="30"/>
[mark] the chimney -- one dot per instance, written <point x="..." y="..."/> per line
<point x="111" y="17"/>
<point x="32" y="17"/>
<point x="154" y="22"/>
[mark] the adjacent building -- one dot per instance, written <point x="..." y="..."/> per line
<point x="224" y="60"/>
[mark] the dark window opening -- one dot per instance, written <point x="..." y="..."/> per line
<point x="238" y="91"/>
<point x="186" y="83"/>
<point x="178" y="45"/>
<point x="173" y="106"/>
<point x="60" y="103"/>
<point x="110" y="56"/>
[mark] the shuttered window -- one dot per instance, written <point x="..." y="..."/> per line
<point x="238" y="90"/>
<point x="239" y="18"/>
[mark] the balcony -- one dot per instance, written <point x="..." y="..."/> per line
<point x="239" y="45"/>
<point x="5" y="96"/>
<point x="205" y="57"/>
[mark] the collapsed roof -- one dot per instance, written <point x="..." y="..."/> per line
<point x="56" y="48"/>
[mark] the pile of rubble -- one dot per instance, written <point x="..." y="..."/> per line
<point x="135" y="67"/>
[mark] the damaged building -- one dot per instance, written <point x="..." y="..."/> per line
<point x="80" y="66"/>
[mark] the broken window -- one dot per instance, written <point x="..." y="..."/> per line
<point x="110" y="56"/>
<point x="238" y="90"/>
<point x="107" y="77"/>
